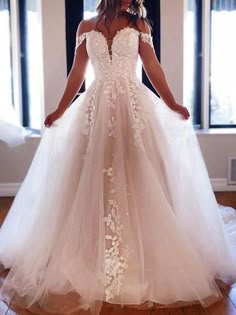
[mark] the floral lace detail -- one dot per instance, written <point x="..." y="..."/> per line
<point x="112" y="127"/>
<point x="117" y="79"/>
<point x="112" y="90"/>
<point x="116" y="256"/>
<point x="79" y="40"/>
<point x="147" y="38"/>
<point x="138" y="115"/>
<point x="90" y="112"/>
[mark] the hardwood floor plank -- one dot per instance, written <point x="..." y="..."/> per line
<point x="3" y="214"/>
<point x="223" y="307"/>
<point x="226" y="198"/>
<point x="195" y="310"/>
<point x="168" y="311"/>
<point x="5" y="204"/>
<point x="111" y="309"/>
<point x="127" y="311"/>
<point x="14" y="310"/>
<point x="134" y="312"/>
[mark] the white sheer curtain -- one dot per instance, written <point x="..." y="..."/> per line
<point x="11" y="132"/>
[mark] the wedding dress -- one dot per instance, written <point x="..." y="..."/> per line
<point x="117" y="205"/>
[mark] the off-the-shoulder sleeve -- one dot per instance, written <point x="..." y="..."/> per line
<point x="147" y="38"/>
<point x="80" y="39"/>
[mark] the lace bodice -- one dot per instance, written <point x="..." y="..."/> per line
<point x="119" y="58"/>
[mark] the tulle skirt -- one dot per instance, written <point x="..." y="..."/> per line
<point x="116" y="207"/>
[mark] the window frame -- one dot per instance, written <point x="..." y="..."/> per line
<point x="195" y="7"/>
<point x="206" y="64"/>
<point x="20" y="87"/>
<point x="16" y="59"/>
<point x="197" y="109"/>
<point x="23" y="61"/>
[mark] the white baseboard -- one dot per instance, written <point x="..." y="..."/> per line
<point x="218" y="184"/>
<point x="9" y="189"/>
<point x="221" y="184"/>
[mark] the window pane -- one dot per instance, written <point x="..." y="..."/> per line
<point x="192" y="60"/>
<point x="90" y="8"/>
<point x="223" y="63"/>
<point x="33" y="66"/>
<point x="5" y="55"/>
<point x="90" y="11"/>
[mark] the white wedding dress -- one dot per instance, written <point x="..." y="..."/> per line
<point x="117" y="205"/>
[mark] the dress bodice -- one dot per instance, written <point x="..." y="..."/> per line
<point x="119" y="58"/>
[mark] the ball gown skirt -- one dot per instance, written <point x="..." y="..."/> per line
<point x="116" y="207"/>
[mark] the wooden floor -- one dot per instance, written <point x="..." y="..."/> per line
<point x="227" y="306"/>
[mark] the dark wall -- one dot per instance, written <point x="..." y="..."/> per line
<point x="74" y="14"/>
<point x="154" y="14"/>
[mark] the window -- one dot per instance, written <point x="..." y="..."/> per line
<point x="89" y="12"/>
<point x="31" y="53"/>
<point x="90" y="8"/>
<point x="19" y="86"/>
<point x="192" y="60"/>
<point x="223" y="64"/>
<point x="210" y="64"/>
<point x="6" y="88"/>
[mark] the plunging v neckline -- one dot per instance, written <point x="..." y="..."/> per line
<point x="110" y="47"/>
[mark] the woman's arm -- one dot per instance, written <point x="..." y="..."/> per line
<point x="75" y="79"/>
<point x="156" y="74"/>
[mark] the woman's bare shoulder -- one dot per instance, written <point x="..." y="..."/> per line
<point x="143" y="26"/>
<point x="86" y="25"/>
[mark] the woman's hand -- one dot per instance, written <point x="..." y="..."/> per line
<point x="52" y="117"/>
<point x="181" y="110"/>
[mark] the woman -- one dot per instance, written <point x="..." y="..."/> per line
<point x="117" y="205"/>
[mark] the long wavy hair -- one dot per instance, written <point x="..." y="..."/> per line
<point x="109" y="9"/>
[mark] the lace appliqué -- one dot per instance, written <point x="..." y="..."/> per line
<point x="147" y="38"/>
<point x="116" y="258"/>
<point x="112" y="127"/>
<point x="90" y="112"/>
<point x="113" y="89"/>
<point x="79" y="40"/>
<point x="138" y="115"/>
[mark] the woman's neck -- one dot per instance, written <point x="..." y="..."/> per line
<point x="125" y="5"/>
